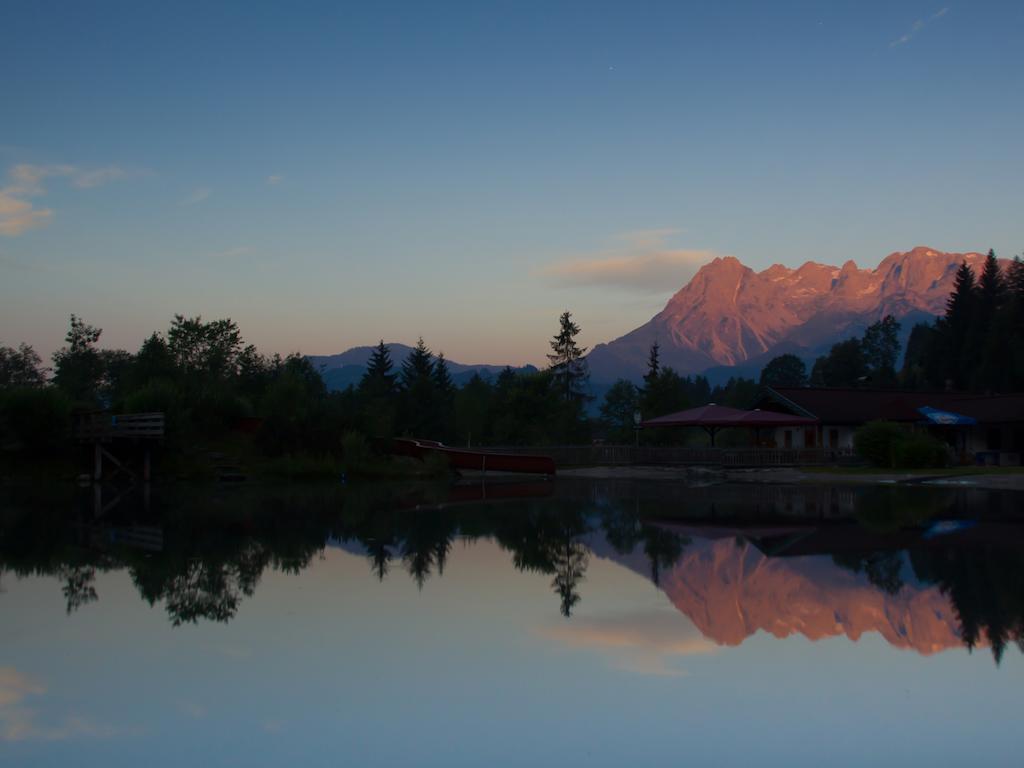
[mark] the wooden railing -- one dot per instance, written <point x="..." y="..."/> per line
<point x="600" y="455"/>
<point x="100" y="427"/>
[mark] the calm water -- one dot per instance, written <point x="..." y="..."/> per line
<point x="619" y="624"/>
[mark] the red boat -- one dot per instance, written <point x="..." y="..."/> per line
<point x="481" y="461"/>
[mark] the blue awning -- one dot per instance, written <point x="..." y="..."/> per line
<point x="945" y="418"/>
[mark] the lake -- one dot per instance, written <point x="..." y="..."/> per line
<point x="605" y="623"/>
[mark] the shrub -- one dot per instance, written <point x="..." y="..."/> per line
<point x="876" y="440"/>
<point x="37" y="418"/>
<point x="918" y="450"/>
<point x="886" y="444"/>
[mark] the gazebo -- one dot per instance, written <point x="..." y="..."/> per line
<point x="712" y="418"/>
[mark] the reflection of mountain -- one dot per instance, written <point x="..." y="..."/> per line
<point x="730" y="590"/>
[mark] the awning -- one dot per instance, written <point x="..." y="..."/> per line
<point x="945" y="418"/>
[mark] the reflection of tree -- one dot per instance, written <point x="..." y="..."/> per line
<point x="663" y="548"/>
<point x="881" y="568"/>
<point x="570" y="564"/>
<point x="624" y="529"/>
<point x="986" y="587"/>
<point x="79" y="585"/>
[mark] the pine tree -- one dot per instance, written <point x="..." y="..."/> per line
<point x="420" y="416"/>
<point x="653" y="365"/>
<point x="991" y="286"/>
<point x="990" y="329"/>
<point x="378" y="381"/>
<point x="567" y="363"/>
<point x="445" y="390"/>
<point x="418" y="368"/>
<point x="442" y="376"/>
<point x="961" y="311"/>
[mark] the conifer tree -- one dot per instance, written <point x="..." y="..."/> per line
<point x="378" y="381"/>
<point x="961" y="310"/>
<point x="567" y="362"/>
<point x="653" y="364"/>
<point x="991" y="285"/>
<point x="990" y="329"/>
<point x="420" y="416"/>
<point x="445" y="390"/>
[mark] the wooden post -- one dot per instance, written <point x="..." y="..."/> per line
<point x="145" y="466"/>
<point x="97" y="471"/>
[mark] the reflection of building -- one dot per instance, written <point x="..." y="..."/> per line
<point x="989" y="427"/>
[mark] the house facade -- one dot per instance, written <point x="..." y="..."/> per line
<point x="979" y="428"/>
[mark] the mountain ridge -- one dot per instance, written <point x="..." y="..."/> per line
<point x="728" y="314"/>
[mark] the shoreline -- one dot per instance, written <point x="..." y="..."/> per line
<point x="796" y="476"/>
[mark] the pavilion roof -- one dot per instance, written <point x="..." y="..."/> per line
<point x="712" y="415"/>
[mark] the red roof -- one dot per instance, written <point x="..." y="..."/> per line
<point x="722" y="416"/>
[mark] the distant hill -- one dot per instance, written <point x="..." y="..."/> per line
<point x="345" y="368"/>
<point x="730" y="320"/>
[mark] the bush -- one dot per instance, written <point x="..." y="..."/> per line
<point x="889" y="445"/>
<point x="37" y="418"/>
<point x="876" y="441"/>
<point x="918" y="451"/>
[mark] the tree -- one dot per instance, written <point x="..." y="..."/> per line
<point x="956" y="327"/>
<point x="881" y="347"/>
<point x="378" y="381"/>
<point x="620" y="402"/>
<point x="419" y="397"/>
<point x="472" y="410"/>
<point x="653" y="364"/>
<point x="204" y="351"/>
<point x="567" y="362"/>
<point x="21" y="368"/>
<point x="445" y="390"/>
<point x="784" y="371"/>
<point x="376" y="394"/>
<point x="921" y="367"/>
<point x="78" y="367"/>
<point x="843" y="366"/>
<point x="991" y="285"/>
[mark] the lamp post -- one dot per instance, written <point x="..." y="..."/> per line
<point x="637" y="418"/>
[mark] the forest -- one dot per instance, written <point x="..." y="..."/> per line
<point x="209" y="382"/>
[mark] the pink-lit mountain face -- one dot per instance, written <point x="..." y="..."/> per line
<point x="731" y="591"/>
<point x="729" y="314"/>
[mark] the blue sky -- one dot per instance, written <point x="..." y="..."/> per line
<point x="328" y="174"/>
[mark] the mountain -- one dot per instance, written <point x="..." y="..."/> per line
<point x="730" y="591"/>
<point x="729" y="318"/>
<point x="345" y="368"/>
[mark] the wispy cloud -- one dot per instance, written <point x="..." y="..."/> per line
<point x="18" y="212"/>
<point x="20" y="722"/>
<point x="274" y="179"/>
<point x="196" y="196"/>
<point x="640" y="261"/>
<point x="645" y="643"/>
<point x="917" y="26"/>
<point x="231" y="253"/>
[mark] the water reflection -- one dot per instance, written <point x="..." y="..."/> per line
<point x="735" y="560"/>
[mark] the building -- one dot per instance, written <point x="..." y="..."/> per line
<point x="984" y="428"/>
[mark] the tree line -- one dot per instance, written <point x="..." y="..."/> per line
<point x="207" y="380"/>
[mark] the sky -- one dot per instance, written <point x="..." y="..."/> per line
<point x="330" y="174"/>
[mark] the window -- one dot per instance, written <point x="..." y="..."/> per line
<point x="788" y="437"/>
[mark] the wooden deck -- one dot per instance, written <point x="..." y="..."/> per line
<point x="611" y="455"/>
<point x="106" y="427"/>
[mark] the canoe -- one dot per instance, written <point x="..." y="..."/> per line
<point x="481" y="461"/>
